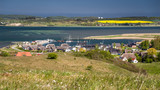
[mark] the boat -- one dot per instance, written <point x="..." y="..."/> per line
<point x="51" y="40"/>
<point x="69" y="40"/>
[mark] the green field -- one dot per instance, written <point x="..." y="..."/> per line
<point x="70" y="72"/>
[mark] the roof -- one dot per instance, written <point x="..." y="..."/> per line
<point x="128" y="55"/>
<point x="65" y="45"/>
<point x="117" y="44"/>
<point x="60" y="48"/>
<point x="51" y="45"/>
<point x="133" y="59"/>
<point x="112" y="50"/>
<point x="23" y="54"/>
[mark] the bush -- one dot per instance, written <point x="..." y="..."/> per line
<point x="4" y="54"/>
<point x="52" y="56"/>
<point x="79" y="54"/>
<point x="99" y="55"/>
<point x="149" y="60"/>
<point x="89" y="67"/>
<point x="130" y="60"/>
<point x="139" y="58"/>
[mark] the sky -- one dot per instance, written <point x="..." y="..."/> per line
<point x="70" y="8"/>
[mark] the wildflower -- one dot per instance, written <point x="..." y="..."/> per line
<point x="54" y="81"/>
<point x="48" y="85"/>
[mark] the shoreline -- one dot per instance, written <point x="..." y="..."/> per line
<point x="138" y="36"/>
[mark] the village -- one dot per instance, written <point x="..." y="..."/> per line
<point x="145" y="51"/>
<point x="125" y="52"/>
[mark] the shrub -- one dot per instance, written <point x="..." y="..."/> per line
<point x="79" y="54"/>
<point x="52" y="56"/>
<point x="149" y="60"/>
<point x="139" y="58"/>
<point x="130" y="60"/>
<point x="99" y="54"/>
<point x="4" y="54"/>
<point x="89" y="67"/>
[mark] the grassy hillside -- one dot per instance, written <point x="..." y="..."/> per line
<point x="69" y="72"/>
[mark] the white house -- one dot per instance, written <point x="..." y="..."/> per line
<point x="124" y="59"/>
<point x="127" y="56"/>
<point x="134" y="60"/>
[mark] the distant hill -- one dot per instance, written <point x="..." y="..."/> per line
<point x="135" y="18"/>
<point x="79" y="18"/>
<point x="16" y="16"/>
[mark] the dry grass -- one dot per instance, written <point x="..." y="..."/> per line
<point x="64" y="62"/>
<point x="69" y="72"/>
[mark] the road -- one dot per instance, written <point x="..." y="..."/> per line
<point x="14" y="47"/>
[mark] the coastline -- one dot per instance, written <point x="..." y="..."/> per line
<point x="5" y="43"/>
<point x="85" y="26"/>
<point x="141" y="36"/>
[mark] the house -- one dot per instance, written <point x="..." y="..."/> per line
<point x="26" y="43"/>
<point x="76" y="48"/>
<point x="41" y="48"/>
<point x="64" y="49"/>
<point x="51" y="47"/>
<point x="134" y="46"/>
<point x="89" y="47"/>
<point x="114" y="51"/>
<point x="134" y="60"/>
<point x="128" y="51"/>
<point x="23" y="54"/>
<point x="26" y="47"/>
<point x="127" y="56"/>
<point x="116" y="45"/>
<point x="65" y="45"/>
<point x="33" y="47"/>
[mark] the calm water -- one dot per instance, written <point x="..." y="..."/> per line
<point x="62" y="33"/>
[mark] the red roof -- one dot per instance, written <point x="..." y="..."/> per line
<point x="133" y="59"/>
<point x="23" y="54"/>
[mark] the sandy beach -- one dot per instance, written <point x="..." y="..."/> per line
<point x="142" y="36"/>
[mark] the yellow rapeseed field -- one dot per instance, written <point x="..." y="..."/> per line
<point x="123" y="21"/>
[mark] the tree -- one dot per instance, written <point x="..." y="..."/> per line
<point x="152" y="51"/>
<point x="139" y="58"/>
<point x="152" y="43"/>
<point x="130" y="60"/>
<point x="114" y="45"/>
<point x="122" y="44"/>
<point x="145" y="45"/>
<point x="157" y="42"/>
<point x="158" y="56"/>
<point x="149" y="60"/>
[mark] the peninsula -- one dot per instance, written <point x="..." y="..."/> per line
<point x="142" y="36"/>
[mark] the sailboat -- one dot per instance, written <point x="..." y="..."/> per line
<point x="69" y="40"/>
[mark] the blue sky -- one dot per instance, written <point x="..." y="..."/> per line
<point x="105" y="8"/>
